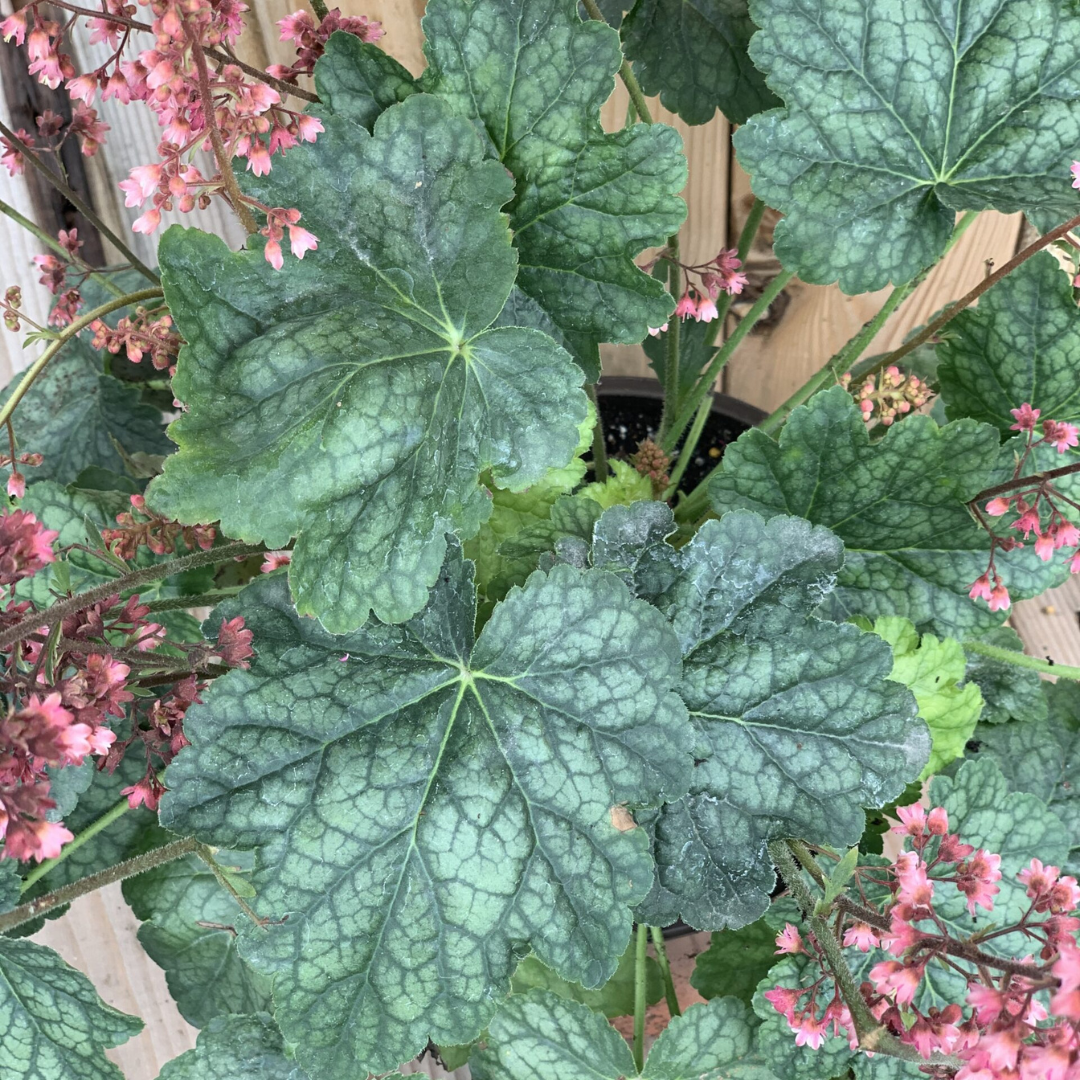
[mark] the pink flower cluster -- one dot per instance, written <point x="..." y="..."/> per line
<point x="889" y="395"/>
<point x="66" y="691"/>
<point x="311" y="38"/>
<point x="141" y="527"/>
<point x="1022" y="1019"/>
<point x="146" y="333"/>
<point x="1038" y="508"/>
<point x="698" y="302"/>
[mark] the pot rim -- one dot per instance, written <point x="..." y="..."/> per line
<point x="643" y="387"/>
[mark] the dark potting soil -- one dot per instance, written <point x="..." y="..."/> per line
<point x="628" y="419"/>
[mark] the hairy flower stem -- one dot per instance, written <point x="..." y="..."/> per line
<point x="70" y="848"/>
<point x="207" y="855"/>
<point x="183" y="603"/>
<point x="65" y="335"/>
<point x="806" y="859"/>
<point x="54" y="245"/>
<point x="671" y="357"/>
<point x="232" y="188"/>
<point x="640" y="997"/>
<point x="72" y="197"/>
<point x="1022" y="660"/>
<point x="1031" y="480"/>
<point x="129" y="868"/>
<point x="657" y="935"/>
<point x="843" y="360"/>
<point x="626" y="72"/>
<point x="35" y="620"/>
<point x="320" y="9"/>
<point x="599" y="447"/>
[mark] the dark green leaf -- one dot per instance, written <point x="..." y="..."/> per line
<point x="353" y="399"/>
<point x="237" y="1048"/>
<point x="798" y="727"/>
<point x="695" y="353"/>
<point x="900" y="114"/>
<point x="53" y="1026"/>
<point x="75" y="415"/>
<point x="1019" y="344"/>
<point x="534" y="77"/>
<point x="10" y="884"/>
<point x="693" y="53"/>
<point x="898" y="504"/>
<point x="1009" y="692"/>
<point x="426" y="809"/>
<point x="1041" y="756"/>
<point x="540" y="1035"/>
<point x="359" y="81"/>
<point x="189" y="928"/>
<point x="735" y="962"/>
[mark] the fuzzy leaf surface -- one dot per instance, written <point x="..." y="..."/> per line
<point x="1018" y="345"/>
<point x="537" y="1036"/>
<point x="353" y="399"/>
<point x="898" y="115"/>
<point x="53" y="1025"/>
<point x="533" y="76"/>
<point x="693" y="53"/>
<point x="899" y="504"/>
<point x="931" y="670"/>
<point x="186" y="917"/>
<point x="359" y="81"/>
<point x="236" y="1048"/>
<point x="425" y="809"/>
<point x="75" y="415"/>
<point x="798" y="727"/>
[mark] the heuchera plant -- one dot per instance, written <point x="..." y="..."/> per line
<point x="473" y="701"/>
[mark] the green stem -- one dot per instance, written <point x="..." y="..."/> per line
<point x="871" y="1035"/>
<point x="129" y="868"/>
<point x="320" y="9"/>
<point x="599" y="447"/>
<point x="65" y="335"/>
<point x="701" y="397"/>
<point x="72" y="197"/>
<point x="640" y="997"/>
<point x="802" y="853"/>
<point x="88" y="833"/>
<point x="54" y="245"/>
<point x="182" y="603"/>
<point x="626" y="72"/>
<point x="1022" y="660"/>
<point x="117" y="586"/>
<point x="206" y="854"/>
<point x="671" y="358"/>
<point x="657" y="936"/>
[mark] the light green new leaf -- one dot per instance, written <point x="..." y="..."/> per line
<point x="426" y="810"/>
<point x="1009" y="692"/>
<point x="538" y="1036"/>
<point x="735" y="962"/>
<point x="188" y="928"/>
<point x="1019" y="344"/>
<point x="693" y="53"/>
<point x="899" y="505"/>
<point x="1042" y="757"/>
<point x="534" y="76"/>
<point x="614" y="998"/>
<point x="899" y="114"/>
<point x="53" y="1026"/>
<point x="353" y="399"/>
<point x="237" y="1048"/>
<point x="798" y="727"/>
<point x="931" y="670"/>
<point x="359" y="81"/>
<point x="76" y="415"/>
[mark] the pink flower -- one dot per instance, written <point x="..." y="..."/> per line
<point x="656" y="331"/>
<point x="783" y="1000"/>
<point x="1002" y="1047"/>
<point x="810" y="1031"/>
<point x="861" y="936"/>
<point x="901" y="936"/>
<point x="1028" y="521"/>
<point x="1038" y="878"/>
<point x="16" y="485"/>
<point x="1025" y="418"/>
<point x="234" y="643"/>
<point x="687" y="306"/>
<point x="706" y="311"/>
<point x="1044" y="546"/>
<point x="997" y="507"/>
<point x="12" y="158"/>
<point x="1074" y="564"/>
<point x="14" y="26"/>
<point x="25" y="547"/>
<point x="999" y="598"/>
<point x="274" y="560"/>
<point x="39" y="840"/>
<point x="1075" y="170"/>
<point x="976" y="879"/>
<point x="789" y="940"/>
<point x="902" y="980"/>
<point x="1061" y="435"/>
<point x="912" y="818"/>
<point x="272" y="254"/>
<point x="301" y="241"/>
<point x="148" y="222"/>
<point x="938" y="821"/>
<point x="980" y="588"/>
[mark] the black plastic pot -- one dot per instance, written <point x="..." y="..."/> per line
<point x="630" y="409"/>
